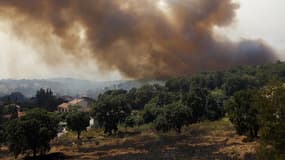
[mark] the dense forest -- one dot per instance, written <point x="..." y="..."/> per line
<point x="252" y="97"/>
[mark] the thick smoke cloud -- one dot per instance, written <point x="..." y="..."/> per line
<point x="140" y="38"/>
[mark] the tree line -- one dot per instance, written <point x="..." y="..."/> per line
<point x="251" y="97"/>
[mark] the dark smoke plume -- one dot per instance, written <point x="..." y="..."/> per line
<point x="141" y="38"/>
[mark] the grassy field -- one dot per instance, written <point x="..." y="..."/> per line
<point x="207" y="140"/>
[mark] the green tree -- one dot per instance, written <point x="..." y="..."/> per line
<point x="173" y="116"/>
<point x="110" y="110"/>
<point x="238" y="82"/>
<point x="178" y="85"/>
<point x="196" y="99"/>
<point x="143" y="95"/>
<point x="12" y="110"/>
<point x="32" y="132"/>
<point x="150" y="112"/>
<point x="271" y="107"/>
<point x="16" y="138"/>
<point x="214" y="108"/>
<point x="46" y="99"/>
<point x="243" y="113"/>
<point x="78" y="122"/>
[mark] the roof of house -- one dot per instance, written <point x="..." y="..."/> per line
<point x="74" y="102"/>
<point x="63" y="105"/>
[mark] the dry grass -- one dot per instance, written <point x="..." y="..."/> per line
<point x="207" y="140"/>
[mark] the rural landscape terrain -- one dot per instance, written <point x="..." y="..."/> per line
<point x="208" y="140"/>
<point x="142" y="80"/>
<point x="233" y="114"/>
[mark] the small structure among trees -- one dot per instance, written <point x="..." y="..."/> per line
<point x="79" y="104"/>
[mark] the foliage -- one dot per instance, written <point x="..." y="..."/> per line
<point x="32" y="132"/>
<point x="45" y="99"/>
<point x="11" y="110"/>
<point x="150" y="112"/>
<point x="237" y="83"/>
<point x="111" y="109"/>
<point x="2" y="134"/>
<point x="243" y="113"/>
<point x="196" y="100"/>
<point x="16" y="138"/>
<point x="214" y="108"/>
<point x="141" y="96"/>
<point x="77" y="121"/>
<point x="178" y="85"/>
<point x="173" y="116"/>
<point x="130" y="121"/>
<point x="271" y="106"/>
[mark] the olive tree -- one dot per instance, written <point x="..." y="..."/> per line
<point x="78" y="122"/>
<point x="32" y="132"/>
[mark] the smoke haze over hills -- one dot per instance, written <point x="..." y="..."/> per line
<point x="67" y="86"/>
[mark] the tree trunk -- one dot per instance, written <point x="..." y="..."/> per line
<point x="178" y="130"/>
<point x="78" y="135"/>
<point x="34" y="152"/>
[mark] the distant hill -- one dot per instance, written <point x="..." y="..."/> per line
<point x="15" y="97"/>
<point x="66" y="86"/>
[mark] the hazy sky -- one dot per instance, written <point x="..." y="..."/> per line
<point x="260" y="19"/>
<point x="256" y="19"/>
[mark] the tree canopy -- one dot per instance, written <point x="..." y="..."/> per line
<point x="78" y="122"/>
<point x="46" y="99"/>
<point x="173" y="116"/>
<point x="32" y="132"/>
<point x="271" y="107"/>
<point x="111" y="109"/>
<point x="243" y="113"/>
